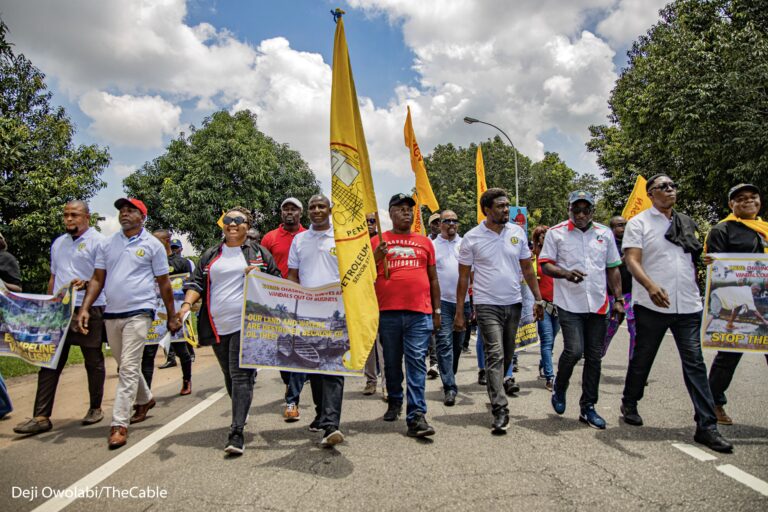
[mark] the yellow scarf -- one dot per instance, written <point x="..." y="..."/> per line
<point x="757" y="225"/>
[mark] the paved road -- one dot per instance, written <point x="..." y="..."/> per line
<point x="545" y="462"/>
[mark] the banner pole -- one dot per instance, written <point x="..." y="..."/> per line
<point x="381" y="240"/>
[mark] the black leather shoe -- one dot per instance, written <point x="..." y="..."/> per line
<point x="393" y="411"/>
<point x="713" y="440"/>
<point x="500" y="424"/>
<point x="450" y="398"/>
<point x="631" y="417"/>
<point x="510" y="386"/>
<point x="481" y="378"/>
<point x="419" y="427"/>
<point x="169" y="363"/>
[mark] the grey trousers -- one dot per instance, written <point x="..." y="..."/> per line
<point x="498" y="325"/>
<point x="376" y="356"/>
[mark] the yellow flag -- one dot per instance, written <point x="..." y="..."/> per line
<point x="418" y="222"/>
<point x="481" y="186"/>
<point x="220" y="222"/>
<point x="353" y="197"/>
<point x="423" y="188"/>
<point x="638" y="200"/>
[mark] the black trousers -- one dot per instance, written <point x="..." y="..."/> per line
<point x="327" y="393"/>
<point x="48" y="380"/>
<point x="148" y="361"/>
<point x="721" y="374"/>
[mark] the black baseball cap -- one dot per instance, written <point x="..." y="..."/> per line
<point x="742" y="186"/>
<point x="400" y="199"/>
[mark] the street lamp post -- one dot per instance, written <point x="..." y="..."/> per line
<point x="472" y="120"/>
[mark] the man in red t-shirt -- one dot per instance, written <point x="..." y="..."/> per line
<point x="409" y="302"/>
<point x="278" y="242"/>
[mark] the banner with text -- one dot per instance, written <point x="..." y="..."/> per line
<point x="289" y="327"/>
<point x="736" y="303"/>
<point x="527" y="332"/>
<point x="34" y="327"/>
<point x="158" y="332"/>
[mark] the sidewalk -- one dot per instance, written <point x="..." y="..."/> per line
<point x="72" y="393"/>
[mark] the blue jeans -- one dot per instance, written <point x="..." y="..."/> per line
<point x="405" y="334"/>
<point x="481" y="356"/>
<point x="448" y="345"/>
<point x="294" y="385"/>
<point x="548" y="329"/>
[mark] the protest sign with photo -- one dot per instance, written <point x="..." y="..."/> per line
<point x="527" y="332"/>
<point x="34" y="327"/>
<point x="289" y="327"/>
<point x="736" y="303"/>
<point x="158" y="332"/>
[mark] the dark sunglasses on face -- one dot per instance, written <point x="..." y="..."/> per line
<point x="450" y="221"/>
<point x="371" y="222"/>
<point x="581" y="209"/>
<point x="666" y="186"/>
<point x="237" y="220"/>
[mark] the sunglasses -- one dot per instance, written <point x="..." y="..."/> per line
<point x="236" y="220"/>
<point x="370" y="222"/>
<point x="450" y="221"/>
<point x="581" y="209"/>
<point x="665" y="186"/>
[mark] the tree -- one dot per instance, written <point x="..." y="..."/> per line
<point x="227" y="162"/>
<point x="544" y="185"/>
<point x="40" y="167"/>
<point x="692" y="103"/>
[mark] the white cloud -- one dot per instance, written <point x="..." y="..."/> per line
<point x="129" y="120"/>
<point x="110" y="225"/>
<point x="630" y="19"/>
<point x="123" y="170"/>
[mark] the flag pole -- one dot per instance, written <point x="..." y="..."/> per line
<point x="381" y="240"/>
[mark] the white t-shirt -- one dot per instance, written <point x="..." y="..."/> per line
<point x="313" y="253"/>
<point x="227" y="274"/>
<point x="447" y="265"/>
<point x="76" y="259"/>
<point x="664" y="262"/>
<point x="496" y="261"/>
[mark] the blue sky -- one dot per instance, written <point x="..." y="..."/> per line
<point x="132" y="74"/>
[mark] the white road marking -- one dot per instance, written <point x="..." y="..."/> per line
<point x="126" y="455"/>
<point x="744" y="478"/>
<point x="694" y="452"/>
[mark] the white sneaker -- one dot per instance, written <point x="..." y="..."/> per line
<point x="332" y="437"/>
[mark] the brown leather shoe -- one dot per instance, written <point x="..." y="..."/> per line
<point x="141" y="411"/>
<point x="186" y="387"/>
<point x="118" y="436"/>
<point x="722" y="416"/>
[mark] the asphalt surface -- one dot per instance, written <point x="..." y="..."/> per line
<point x="545" y="462"/>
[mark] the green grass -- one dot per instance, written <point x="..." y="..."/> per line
<point x="14" y="367"/>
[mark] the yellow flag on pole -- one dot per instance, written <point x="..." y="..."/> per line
<point x="418" y="221"/>
<point x="481" y="186"/>
<point x="638" y="199"/>
<point x="220" y="222"/>
<point x="423" y="188"/>
<point x="353" y="197"/>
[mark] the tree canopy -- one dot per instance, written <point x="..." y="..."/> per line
<point x="227" y="162"/>
<point x="40" y="167"/>
<point x="693" y="103"/>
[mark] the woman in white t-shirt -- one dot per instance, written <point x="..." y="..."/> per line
<point x="219" y="280"/>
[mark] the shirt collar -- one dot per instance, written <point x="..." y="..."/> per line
<point x="327" y="233"/>
<point x="572" y="226"/>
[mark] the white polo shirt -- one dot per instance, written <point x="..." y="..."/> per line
<point x="496" y="261"/>
<point x="447" y="265"/>
<point x="76" y="259"/>
<point x="591" y="252"/>
<point x="313" y="253"/>
<point x="665" y="263"/>
<point x="132" y="265"/>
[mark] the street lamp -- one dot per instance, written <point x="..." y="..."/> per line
<point x="472" y="120"/>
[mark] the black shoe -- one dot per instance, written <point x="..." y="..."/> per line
<point x="481" y="378"/>
<point x="465" y="350"/>
<point x="450" y="398"/>
<point x="315" y="426"/>
<point x="236" y="443"/>
<point x="515" y="367"/>
<point x="510" y="387"/>
<point x="500" y="424"/>
<point x="631" y="416"/>
<point x="169" y="363"/>
<point x="713" y="440"/>
<point x="393" y="410"/>
<point x="419" y="427"/>
<point x="433" y="372"/>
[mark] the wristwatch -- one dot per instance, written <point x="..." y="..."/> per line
<point x="540" y="302"/>
<point x="436" y="311"/>
<point x="618" y="299"/>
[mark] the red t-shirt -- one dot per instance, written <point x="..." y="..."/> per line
<point x="278" y="242"/>
<point x="546" y="284"/>
<point x="407" y="288"/>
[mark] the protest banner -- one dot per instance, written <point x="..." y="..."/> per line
<point x="34" y="327"/>
<point x="527" y="332"/>
<point x="289" y="327"/>
<point x="158" y="332"/>
<point x="519" y="215"/>
<point x="736" y="303"/>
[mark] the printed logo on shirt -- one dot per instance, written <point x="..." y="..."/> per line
<point x="514" y="240"/>
<point x="140" y="253"/>
<point x="332" y="251"/>
<point x="81" y="246"/>
<point x="599" y="238"/>
<point x="402" y="252"/>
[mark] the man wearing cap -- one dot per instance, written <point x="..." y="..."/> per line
<point x="409" y="302"/>
<point x="498" y="254"/>
<point x="740" y="232"/>
<point x="660" y="247"/>
<point x="278" y="242"/>
<point x="131" y="262"/>
<point x="579" y="254"/>
<point x="73" y="257"/>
